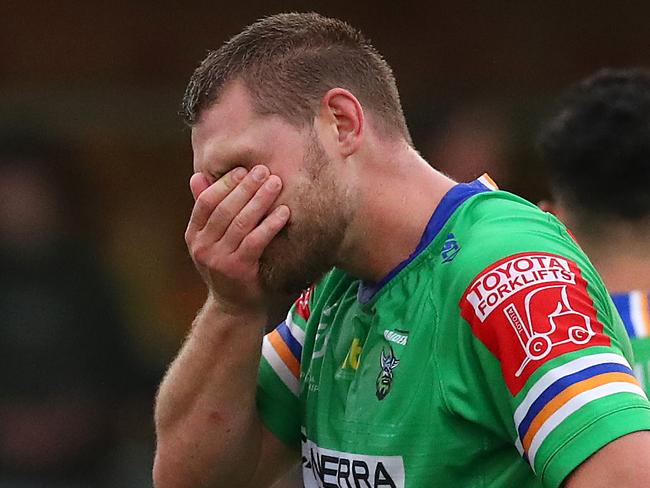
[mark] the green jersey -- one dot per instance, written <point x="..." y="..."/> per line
<point x="634" y="309"/>
<point x="492" y="357"/>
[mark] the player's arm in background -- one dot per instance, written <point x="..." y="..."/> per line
<point x="208" y="430"/>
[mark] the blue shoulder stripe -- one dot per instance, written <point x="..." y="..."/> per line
<point x="291" y="342"/>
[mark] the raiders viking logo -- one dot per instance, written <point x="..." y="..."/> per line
<point x="388" y="363"/>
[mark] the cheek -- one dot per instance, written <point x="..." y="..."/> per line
<point x="294" y="191"/>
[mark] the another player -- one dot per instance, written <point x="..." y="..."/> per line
<point x="455" y="335"/>
<point x="597" y="147"/>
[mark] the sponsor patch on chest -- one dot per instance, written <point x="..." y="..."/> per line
<point x="328" y="468"/>
<point x="529" y="308"/>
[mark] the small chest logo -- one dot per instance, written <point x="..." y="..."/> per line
<point x="449" y="249"/>
<point x="351" y="360"/>
<point x="388" y="363"/>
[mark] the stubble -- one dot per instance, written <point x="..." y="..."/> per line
<point x="307" y="247"/>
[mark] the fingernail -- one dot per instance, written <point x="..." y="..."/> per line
<point x="282" y="211"/>
<point x="238" y="174"/>
<point x="273" y="184"/>
<point x="259" y="173"/>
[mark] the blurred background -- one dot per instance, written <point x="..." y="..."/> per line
<point x="97" y="287"/>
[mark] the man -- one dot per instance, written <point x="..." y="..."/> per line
<point x="454" y="336"/>
<point x="597" y="147"/>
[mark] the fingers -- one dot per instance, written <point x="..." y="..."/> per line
<point x="198" y="184"/>
<point x="255" y="242"/>
<point x="209" y="196"/>
<point x="227" y="211"/>
<point x="231" y="225"/>
<point x="252" y="213"/>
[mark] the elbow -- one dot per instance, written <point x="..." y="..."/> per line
<point x="173" y="470"/>
<point x="169" y="467"/>
<point x="164" y="473"/>
<point x="179" y="465"/>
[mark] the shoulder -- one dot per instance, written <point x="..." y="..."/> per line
<point x="498" y="227"/>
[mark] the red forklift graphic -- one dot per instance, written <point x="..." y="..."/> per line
<point x="555" y="323"/>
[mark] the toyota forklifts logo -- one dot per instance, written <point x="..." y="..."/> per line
<point x="529" y="308"/>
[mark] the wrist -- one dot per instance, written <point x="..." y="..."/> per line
<point x="218" y="307"/>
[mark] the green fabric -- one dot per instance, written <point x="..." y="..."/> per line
<point x="426" y="402"/>
<point x="641" y="349"/>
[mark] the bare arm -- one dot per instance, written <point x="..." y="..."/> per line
<point x="206" y="422"/>
<point x="623" y="463"/>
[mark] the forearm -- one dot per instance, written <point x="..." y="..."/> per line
<point x="206" y="420"/>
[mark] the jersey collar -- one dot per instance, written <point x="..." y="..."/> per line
<point x="453" y="199"/>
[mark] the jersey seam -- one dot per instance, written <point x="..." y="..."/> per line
<point x="579" y="432"/>
<point x="441" y="384"/>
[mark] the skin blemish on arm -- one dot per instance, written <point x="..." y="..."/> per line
<point x="215" y="417"/>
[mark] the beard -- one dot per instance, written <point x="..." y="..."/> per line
<point x="308" y="246"/>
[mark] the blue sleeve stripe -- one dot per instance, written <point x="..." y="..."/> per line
<point x="291" y="342"/>
<point x="563" y="383"/>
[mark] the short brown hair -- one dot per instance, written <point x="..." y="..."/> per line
<point x="289" y="61"/>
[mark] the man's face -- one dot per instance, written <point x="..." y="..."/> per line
<point x="231" y="134"/>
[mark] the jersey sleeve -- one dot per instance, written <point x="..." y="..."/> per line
<point x="560" y="351"/>
<point x="278" y="388"/>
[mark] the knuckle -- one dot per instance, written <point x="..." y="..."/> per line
<point x="250" y="185"/>
<point x="199" y="253"/>
<point x="229" y="184"/>
<point x="222" y="214"/>
<point x="228" y="181"/>
<point x="251" y="242"/>
<point x="217" y="263"/>
<point x="203" y="201"/>
<point x="240" y="223"/>
<point x="255" y="204"/>
<point x="263" y="197"/>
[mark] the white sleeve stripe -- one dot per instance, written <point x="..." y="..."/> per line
<point x="519" y="447"/>
<point x="637" y="303"/>
<point x="572" y="406"/>
<point x="281" y="369"/>
<point x="555" y="374"/>
<point x="295" y="330"/>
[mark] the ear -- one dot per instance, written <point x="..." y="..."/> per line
<point x="341" y="110"/>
